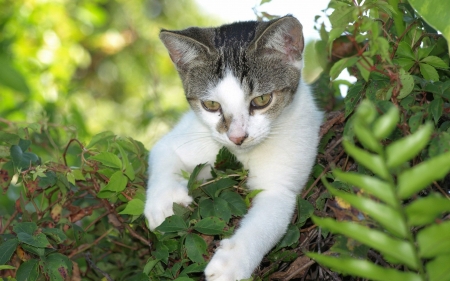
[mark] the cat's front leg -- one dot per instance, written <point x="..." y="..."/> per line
<point x="260" y="230"/>
<point x="165" y="185"/>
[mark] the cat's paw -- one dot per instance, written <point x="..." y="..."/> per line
<point x="159" y="204"/>
<point x="229" y="263"/>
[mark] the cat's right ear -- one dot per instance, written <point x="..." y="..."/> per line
<point x="183" y="50"/>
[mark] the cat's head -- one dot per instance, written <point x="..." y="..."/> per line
<point x="238" y="78"/>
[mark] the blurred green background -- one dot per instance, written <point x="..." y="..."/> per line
<point x="92" y="65"/>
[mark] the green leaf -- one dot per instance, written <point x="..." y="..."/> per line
<point x="226" y="160"/>
<point x="173" y="224"/>
<point x="193" y="268"/>
<point x="34" y="250"/>
<point x="396" y="248"/>
<point x="386" y="123"/>
<point x="406" y="148"/>
<point x="292" y="236"/>
<point x="305" y="210"/>
<point x="353" y="96"/>
<point x="117" y="182"/>
<point x="434" y="12"/>
<point x="134" y="207"/>
<point x="428" y="72"/>
<point x="195" y="247"/>
<point x="7" y="249"/>
<point x="425" y="210"/>
<point x="56" y="234"/>
<point x="371" y="161"/>
<point x="366" y="137"/>
<point x="213" y="189"/>
<point x="438" y="269"/>
<point x="235" y="202"/>
<point x="435" y="61"/>
<point x="6" y="267"/>
<point x="215" y="208"/>
<point x="364" y="67"/>
<point x="38" y="240"/>
<point x="128" y="168"/>
<point x="423" y="174"/>
<point x="405" y="50"/>
<point x="363" y="268"/>
<point x="340" y="65"/>
<point x="16" y="155"/>
<point x="407" y="84"/>
<point x="436" y="108"/>
<point x="387" y="216"/>
<point x="12" y="78"/>
<point x="405" y="63"/>
<point x="434" y="240"/>
<point x="192" y="183"/>
<point x="210" y="226"/>
<point x="25" y="227"/>
<point x="28" y="271"/>
<point x="58" y="267"/>
<point x="99" y="137"/>
<point x="108" y="159"/>
<point x="161" y="252"/>
<point x="150" y="265"/>
<point x="9" y="139"/>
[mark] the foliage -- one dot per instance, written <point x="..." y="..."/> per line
<point x="85" y="64"/>
<point x="388" y="230"/>
<point x="84" y="218"/>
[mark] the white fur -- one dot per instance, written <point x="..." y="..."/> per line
<point x="279" y="155"/>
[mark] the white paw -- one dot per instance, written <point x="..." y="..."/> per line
<point x="160" y="201"/>
<point x="229" y="263"/>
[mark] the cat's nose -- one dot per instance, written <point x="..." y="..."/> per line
<point x="238" y="140"/>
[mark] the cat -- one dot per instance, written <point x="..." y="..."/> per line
<point x="243" y="84"/>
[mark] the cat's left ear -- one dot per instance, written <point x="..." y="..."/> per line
<point x="283" y="37"/>
<point x="183" y="50"/>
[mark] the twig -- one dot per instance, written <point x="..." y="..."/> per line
<point x="8" y="222"/>
<point x="441" y="190"/>
<point x="303" y="267"/>
<point x="92" y="264"/>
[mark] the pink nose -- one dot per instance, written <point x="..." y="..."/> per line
<point x="238" y="140"/>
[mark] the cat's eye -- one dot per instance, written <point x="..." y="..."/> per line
<point x="210" y="105"/>
<point x="261" y="101"/>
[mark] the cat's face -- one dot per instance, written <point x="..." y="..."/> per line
<point x="239" y="78"/>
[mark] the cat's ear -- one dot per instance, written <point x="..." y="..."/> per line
<point x="282" y="38"/>
<point x="183" y="50"/>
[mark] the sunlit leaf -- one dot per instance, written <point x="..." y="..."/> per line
<point x="425" y="210"/>
<point x="371" y="161"/>
<point x="434" y="240"/>
<point x="108" y="159"/>
<point x="117" y="182"/>
<point x="387" y="216"/>
<point x="363" y="268"/>
<point x="406" y="148"/>
<point x="434" y="13"/>
<point x="398" y="249"/>
<point x="134" y="207"/>
<point x="438" y="269"/>
<point x="423" y="174"/>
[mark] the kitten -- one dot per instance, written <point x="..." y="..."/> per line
<point x="243" y="83"/>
